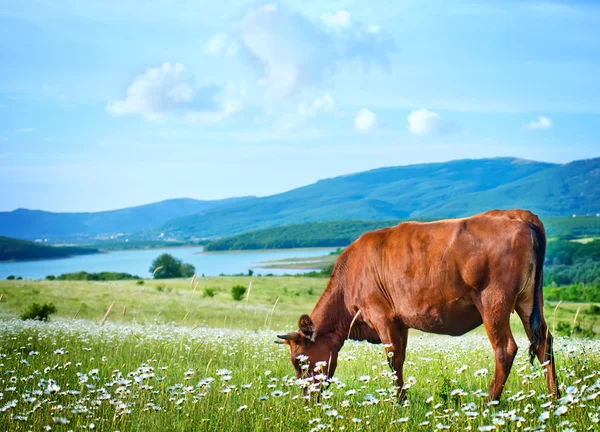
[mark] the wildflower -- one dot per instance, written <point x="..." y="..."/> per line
<point x="461" y="369"/>
<point x="242" y="408"/>
<point x="487" y="428"/>
<point x="545" y="415"/>
<point x="276" y="393"/>
<point x="560" y="410"/>
<point x="52" y="388"/>
<point x="481" y="372"/>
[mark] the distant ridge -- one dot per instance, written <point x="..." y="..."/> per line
<point x="431" y="190"/>
<point x="32" y="224"/>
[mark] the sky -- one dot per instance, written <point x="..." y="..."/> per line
<point x="109" y="104"/>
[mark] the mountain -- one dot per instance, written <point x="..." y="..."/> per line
<point x="385" y="193"/>
<point x="31" y="224"/>
<point x="561" y="190"/>
<point x="435" y="190"/>
<point x="21" y="250"/>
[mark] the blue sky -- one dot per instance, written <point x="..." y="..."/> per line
<point x="108" y="104"/>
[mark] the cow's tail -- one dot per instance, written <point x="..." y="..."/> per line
<point x="536" y="318"/>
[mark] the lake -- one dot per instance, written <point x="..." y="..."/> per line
<point x="138" y="262"/>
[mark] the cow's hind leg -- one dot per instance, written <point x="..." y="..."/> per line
<point x="544" y="351"/>
<point x="496" y="319"/>
<point x="394" y="339"/>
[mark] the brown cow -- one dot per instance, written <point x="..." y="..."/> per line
<point x="444" y="277"/>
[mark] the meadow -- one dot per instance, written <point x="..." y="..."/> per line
<point x="171" y="357"/>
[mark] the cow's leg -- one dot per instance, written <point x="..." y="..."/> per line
<point x="496" y="319"/>
<point x="545" y="353"/>
<point x="394" y="339"/>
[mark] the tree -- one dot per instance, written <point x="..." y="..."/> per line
<point x="187" y="270"/>
<point x="166" y="266"/>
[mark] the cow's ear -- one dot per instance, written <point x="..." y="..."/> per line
<point x="294" y="336"/>
<point x="307" y="328"/>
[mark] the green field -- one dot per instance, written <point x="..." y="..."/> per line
<point x="176" y="360"/>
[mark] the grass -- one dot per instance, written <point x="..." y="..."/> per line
<point x="172" y="300"/>
<point x="180" y="361"/>
<point x="316" y="263"/>
<point x="178" y="301"/>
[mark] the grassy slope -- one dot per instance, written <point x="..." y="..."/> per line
<point x="20" y="250"/>
<point x="90" y="300"/>
<point x="180" y="303"/>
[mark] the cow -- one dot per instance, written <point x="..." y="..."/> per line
<point x="445" y="277"/>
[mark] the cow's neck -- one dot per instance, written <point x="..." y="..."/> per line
<point x="331" y="317"/>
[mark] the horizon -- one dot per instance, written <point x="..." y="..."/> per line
<point x="108" y="110"/>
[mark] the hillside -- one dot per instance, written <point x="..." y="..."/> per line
<point x="310" y="234"/>
<point x="31" y="224"/>
<point x="457" y="188"/>
<point x="342" y="233"/>
<point x="21" y="250"/>
<point x="568" y="189"/>
<point x="434" y="190"/>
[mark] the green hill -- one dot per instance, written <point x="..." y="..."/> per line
<point x="342" y="233"/>
<point x="21" y="250"/>
<point x="451" y="189"/>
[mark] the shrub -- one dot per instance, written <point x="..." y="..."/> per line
<point x="140" y="282"/>
<point x="19" y="278"/>
<point x="50" y="277"/>
<point x="237" y="292"/>
<point x="11" y="277"/>
<point x="166" y="266"/>
<point x="39" y="312"/>
<point x="209" y="292"/>
<point x="163" y="288"/>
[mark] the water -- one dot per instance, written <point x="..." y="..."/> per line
<point x="138" y="262"/>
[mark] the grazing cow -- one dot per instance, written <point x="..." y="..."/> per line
<point x="446" y="277"/>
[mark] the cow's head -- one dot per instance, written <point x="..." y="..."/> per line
<point x="311" y="353"/>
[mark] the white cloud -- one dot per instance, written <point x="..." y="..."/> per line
<point x="293" y="52"/>
<point x="320" y="105"/>
<point x="220" y="44"/>
<point x="337" y="20"/>
<point x="424" y="122"/>
<point x="364" y="121"/>
<point x="541" y="123"/>
<point x="169" y="91"/>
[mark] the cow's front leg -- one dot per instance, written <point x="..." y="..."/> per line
<point x="394" y="339"/>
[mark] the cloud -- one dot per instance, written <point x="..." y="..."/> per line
<point x="220" y="44"/>
<point x="337" y="20"/>
<point x="24" y="130"/>
<point x="292" y="52"/>
<point x="424" y="122"/>
<point x="169" y="91"/>
<point x="364" y="121"/>
<point x="320" y="105"/>
<point x="541" y="123"/>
